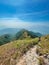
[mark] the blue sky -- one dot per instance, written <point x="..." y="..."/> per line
<point x="31" y="14"/>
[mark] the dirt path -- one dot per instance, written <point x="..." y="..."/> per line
<point x="30" y="58"/>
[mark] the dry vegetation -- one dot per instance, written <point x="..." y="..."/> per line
<point x="10" y="53"/>
<point x="43" y="50"/>
<point x="43" y="46"/>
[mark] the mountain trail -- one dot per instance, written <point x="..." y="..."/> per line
<point x="30" y="58"/>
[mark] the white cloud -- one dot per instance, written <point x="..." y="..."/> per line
<point x="17" y="23"/>
<point x="13" y="23"/>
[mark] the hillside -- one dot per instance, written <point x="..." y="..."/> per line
<point x="44" y="45"/>
<point x="43" y="50"/>
<point x="34" y="51"/>
<point x="26" y="34"/>
<point x="22" y="34"/>
<point x="15" y="50"/>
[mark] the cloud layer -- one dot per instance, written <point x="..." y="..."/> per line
<point x="17" y="23"/>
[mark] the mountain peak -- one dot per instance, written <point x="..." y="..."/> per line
<point x="26" y="34"/>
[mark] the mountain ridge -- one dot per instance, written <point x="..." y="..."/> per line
<point x="22" y="33"/>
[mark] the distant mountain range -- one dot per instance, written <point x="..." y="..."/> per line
<point x="8" y="31"/>
<point x="14" y="31"/>
<point x="10" y="34"/>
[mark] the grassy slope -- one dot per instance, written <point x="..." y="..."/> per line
<point x="43" y="46"/>
<point x="15" y="49"/>
<point x="43" y="50"/>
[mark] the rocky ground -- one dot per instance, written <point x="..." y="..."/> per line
<point x="30" y="58"/>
